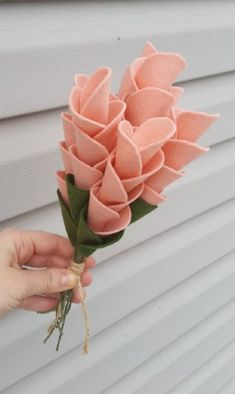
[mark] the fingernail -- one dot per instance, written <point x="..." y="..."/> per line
<point x="69" y="280"/>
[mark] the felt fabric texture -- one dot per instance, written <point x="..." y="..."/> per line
<point x="127" y="148"/>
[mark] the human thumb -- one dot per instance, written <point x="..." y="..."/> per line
<point x="49" y="280"/>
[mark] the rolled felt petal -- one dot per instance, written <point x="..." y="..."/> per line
<point x="151" y="196"/>
<point x="68" y="127"/>
<point x="132" y="196"/>
<point x="89" y="150"/>
<point x="148" y="49"/>
<point x="191" y="125"/>
<point x="151" y="135"/>
<point x="80" y="80"/>
<point x="111" y="189"/>
<point x="162" y="178"/>
<point x="148" y="103"/>
<point x="104" y="220"/>
<point x="94" y="100"/>
<point x="177" y="92"/>
<point x="85" y="175"/>
<point x="90" y="126"/>
<point x="179" y="153"/>
<point x="159" y="70"/>
<point x="66" y="157"/>
<point x="60" y="177"/>
<point x="152" y="166"/>
<point x="108" y="135"/>
<point x="128" y="162"/>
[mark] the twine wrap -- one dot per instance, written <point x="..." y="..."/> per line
<point x="77" y="269"/>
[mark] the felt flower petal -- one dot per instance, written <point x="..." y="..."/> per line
<point x="149" y="49"/>
<point x="85" y="176"/>
<point x="179" y="153"/>
<point x="151" y="196"/>
<point x="128" y="84"/>
<point x="89" y="151"/>
<point x="128" y="162"/>
<point x="191" y="125"/>
<point x="133" y="195"/>
<point x="94" y="100"/>
<point x="160" y="70"/>
<point x="148" y="103"/>
<point x="68" y="128"/>
<point x="89" y="126"/>
<point x="162" y="178"/>
<point x="112" y="190"/>
<point x="60" y="177"/>
<point x="66" y="157"/>
<point x="153" y="165"/>
<point x="177" y="92"/>
<point x="151" y="135"/>
<point x="108" y="135"/>
<point x="102" y="219"/>
<point x="80" y="80"/>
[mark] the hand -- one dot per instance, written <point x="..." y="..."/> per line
<point x="36" y="289"/>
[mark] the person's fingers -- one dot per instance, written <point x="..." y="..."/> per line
<point x="86" y="281"/>
<point x="38" y="303"/>
<point x="77" y="297"/>
<point x="46" y="281"/>
<point x="22" y="245"/>
<point x="39" y="261"/>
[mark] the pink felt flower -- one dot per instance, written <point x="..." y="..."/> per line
<point x="137" y="157"/>
<point x="147" y="89"/>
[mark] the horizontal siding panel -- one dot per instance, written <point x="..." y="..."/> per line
<point x="42" y="45"/>
<point x="212" y="376"/>
<point x="166" y="369"/>
<point x="30" y="154"/>
<point x="137" y="337"/>
<point x="192" y="249"/>
<point x="228" y="388"/>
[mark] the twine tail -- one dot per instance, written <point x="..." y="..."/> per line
<point x="78" y="268"/>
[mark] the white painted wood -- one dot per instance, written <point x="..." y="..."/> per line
<point x="140" y="335"/>
<point x="212" y="376"/>
<point x="228" y="389"/>
<point x="43" y="44"/>
<point x="30" y="155"/>
<point x="192" y="249"/>
<point x="181" y="358"/>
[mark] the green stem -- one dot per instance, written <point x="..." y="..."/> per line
<point x="63" y="306"/>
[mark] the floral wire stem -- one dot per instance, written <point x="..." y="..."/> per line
<point x="63" y="307"/>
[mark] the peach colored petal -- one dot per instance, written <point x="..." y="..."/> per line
<point x="162" y="178"/>
<point x="148" y="103"/>
<point x="149" y="49"/>
<point x="102" y="164"/>
<point x="128" y="84"/>
<point x="87" y="125"/>
<point x="127" y="159"/>
<point x="117" y="225"/>
<point x="89" y="151"/>
<point x="191" y="125"/>
<point x="66" y="158"/>
<point x="151" y="135"/>
<point x="151" y="196"/>
<point x="94" y="100"/>
<point x="112" y="190"/>
<point x="60" y="177"/>
<point x="177" y="92"/>
<point x="133" y="195"/>
<point x="153" y="165"/>
<point x="108" y="135"/>
<point x="98" y="213"/>
<point x="85" y="176"/>
<point x="159" y="70"/>
<point x="80" y="80"/>
<point x="179" y="153"/>
<point x="68" y="127"/>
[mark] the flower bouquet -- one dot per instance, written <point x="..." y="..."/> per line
<point x="120" y="152"/>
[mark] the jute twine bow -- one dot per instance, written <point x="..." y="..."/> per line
<point x="77" y="269"/>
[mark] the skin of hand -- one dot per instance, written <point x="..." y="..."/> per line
<point x="33" y="270"/>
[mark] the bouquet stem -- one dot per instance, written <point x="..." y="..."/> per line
<point x="65" y="302"/>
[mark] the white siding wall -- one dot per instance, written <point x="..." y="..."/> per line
<point x="162" y="302"/>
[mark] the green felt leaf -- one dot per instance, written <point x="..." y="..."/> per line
<point x="90" y="241"/>
<point x="140" y="208"/>
<point x="78" y="198"/>
<point x="68" y="222"/>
